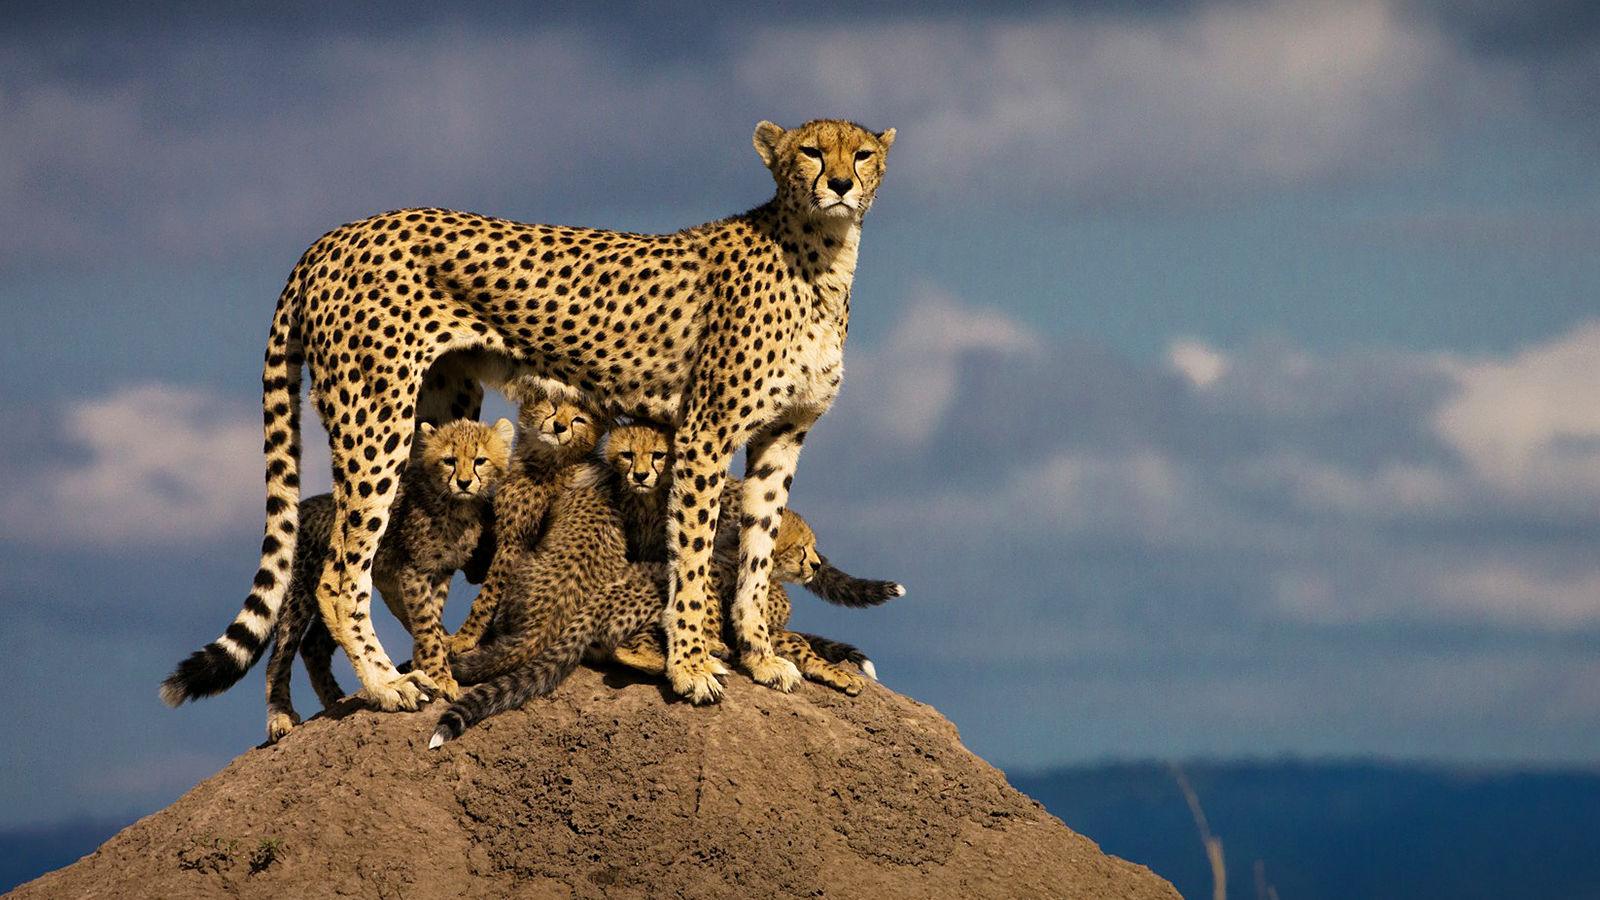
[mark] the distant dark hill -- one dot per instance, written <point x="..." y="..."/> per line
<point x="1334" y="831"/>
<point x="27" y="853"/>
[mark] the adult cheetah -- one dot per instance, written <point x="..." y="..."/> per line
<point x="733" y="332"/>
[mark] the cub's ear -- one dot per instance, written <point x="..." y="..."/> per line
<point x="426" y="429"/>
<point x="505" y="430"/>
<point x="886" y="138"/>
<point x="766" y="140"/>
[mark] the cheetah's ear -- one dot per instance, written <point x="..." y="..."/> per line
<point x="766" y="140"/>
<point x="425" y="429"/>
<point x="505" y="430"/>
<point x="886" y="138"/>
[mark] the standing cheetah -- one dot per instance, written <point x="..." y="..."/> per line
<point x="733" y="332"/>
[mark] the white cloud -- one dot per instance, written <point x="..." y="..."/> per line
<point x="155" y="465"/>
<point x="1529" y="425"/>
<point x="1358" y="488"/>
<point x="1196" y="361"/>
<point x="913" y="374"/>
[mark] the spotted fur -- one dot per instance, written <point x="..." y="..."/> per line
<point x="732" y="331"/>
<point x="638" y="456"/>
<point x="437" y="522"/>
<point x="580" y="584"/>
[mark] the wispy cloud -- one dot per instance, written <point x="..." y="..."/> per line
<point x="1365" y="487"/>
<point x="201" y="143"/>
<point x="146" y="466"/>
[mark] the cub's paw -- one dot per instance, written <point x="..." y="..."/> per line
<point x="772" y="671"/>
<point x="696" y="681"/>
<point x="446" y="686"/>
<point x="279" y="724"/>
<point x="840" y="680"/>
<point x="641" y="658"/>
<point x="717" y="648"/>
<point x="460" y="642"/>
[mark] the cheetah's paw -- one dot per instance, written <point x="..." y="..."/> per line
<point x="403" y="692"/>
<point x="279" y="724"/>
<point x="696" y="680"/>
<point x="771" y="670"/>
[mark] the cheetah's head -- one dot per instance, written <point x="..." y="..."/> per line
<point x="826" y="168"/>
<point x="638" y="454"/>
<point x="564" y="429"/>
<point x="794" y="555"/>
<point x="466" y="458"/>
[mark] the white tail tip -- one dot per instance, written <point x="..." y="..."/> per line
<point x="436" y="741"/>
<point x="899" y="590"/>
<point x="869" y="670"/>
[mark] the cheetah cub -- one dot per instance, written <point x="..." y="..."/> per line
<point x="638" y="455"/>
<point x="580" y="585"/>
<point x="435" y="525"/>
<point x="552" y="436"/>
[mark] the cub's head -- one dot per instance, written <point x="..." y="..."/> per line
<point x="466" y="459"/>
<point x="826" y="168"/>
<point x="560" y="429"/>
<point x="794" y="556"/>
<point x="638" y="454"/>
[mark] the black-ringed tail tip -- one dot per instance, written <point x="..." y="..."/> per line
<point x="440" y="735"/>
<point x="899" y="590"/>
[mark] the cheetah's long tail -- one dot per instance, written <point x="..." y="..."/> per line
<point x="838" y="651"/>
<point x="842" y="589"/>
<point x="220" y="664"/>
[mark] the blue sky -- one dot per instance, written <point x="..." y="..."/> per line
<point x="1221" y="382"/>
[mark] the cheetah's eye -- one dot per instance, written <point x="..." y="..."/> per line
<point x="482" y="460"/>
<point x="812" y="152"/>
<point x="658" y="455"/>
<point x="863" y="154"/>
<point x="448" y="460"/>
<point x="579" y="420"/>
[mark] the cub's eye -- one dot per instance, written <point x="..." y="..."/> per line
<point x="626" y="454"/>
<point x="812" y="152"/>
<point x="659" y="454"/>
<point x="448" y="460"/>
<point x="579" y="420"/>
<point x="482" y="460"/>
<point x="863" y="154"/>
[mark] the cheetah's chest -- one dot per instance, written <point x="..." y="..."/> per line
<point x="818" y="367"/>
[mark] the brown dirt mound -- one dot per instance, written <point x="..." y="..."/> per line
<point x="611" y="788"/>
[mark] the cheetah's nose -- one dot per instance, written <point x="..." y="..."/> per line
<point x="641" y="477"/>
<point x="840" y="186"/>
<point x="464" y="483"/>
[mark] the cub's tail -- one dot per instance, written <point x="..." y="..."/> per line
<point x="509" y="691"/>
<point x="620" y="610"/>
<point x="838" y="651"/>
<point x="843" y="589"/>
<point x="220" y="664"/>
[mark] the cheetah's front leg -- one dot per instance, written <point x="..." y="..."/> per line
<point x="771" y="458"/>
<point x="692" y="507"/>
